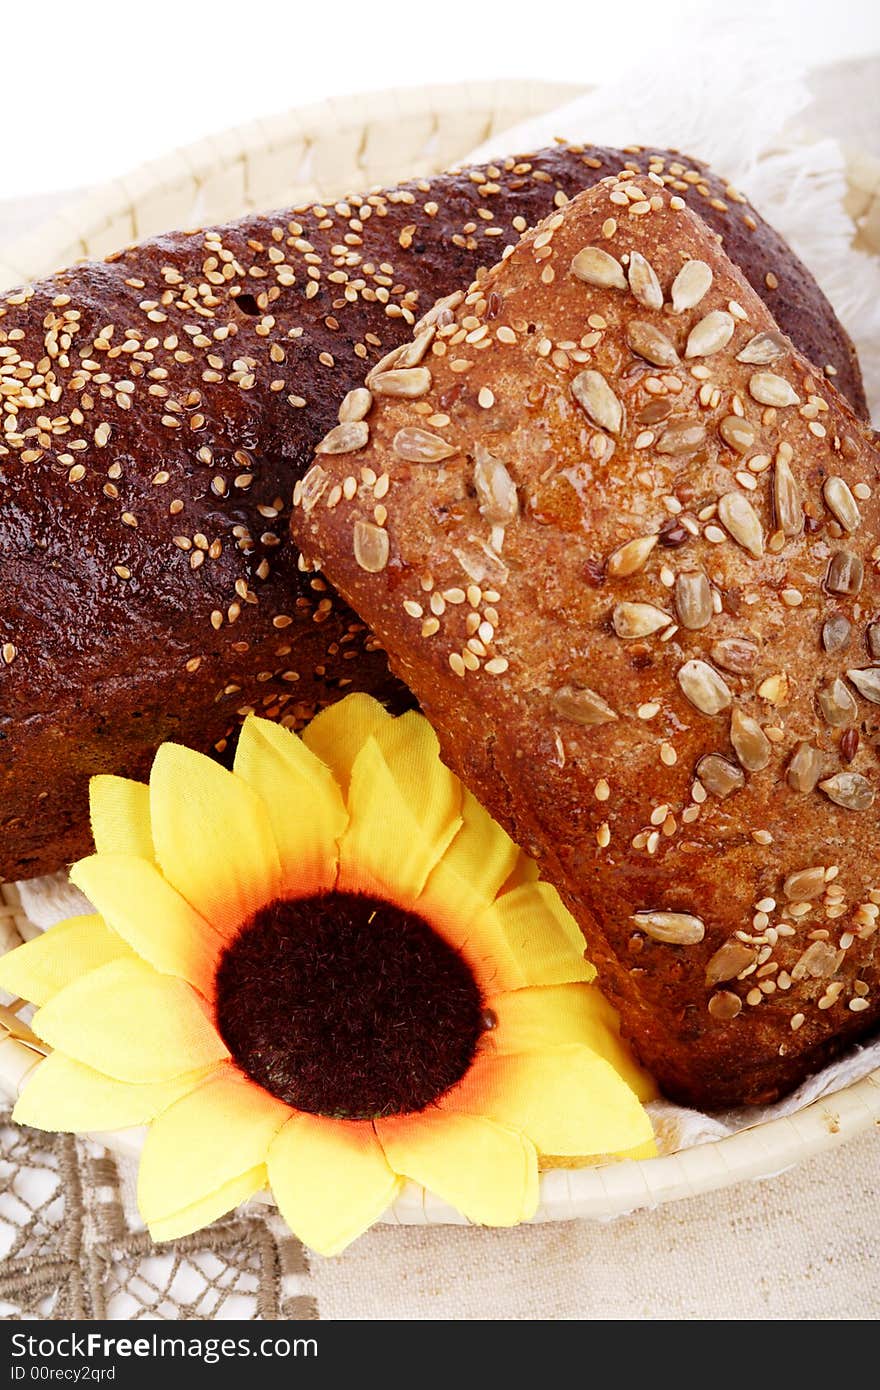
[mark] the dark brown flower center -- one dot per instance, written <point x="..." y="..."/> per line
<point x="348" y="1006"/>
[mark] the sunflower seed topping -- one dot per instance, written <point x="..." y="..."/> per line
<point x="690" y="285"/>
<point x="582" y="706"/>
<point x="630" y="558"/>
<point x="738" y="516"/>
<point x="643" y="282"/>
<point x="596" y="267"/>
<point x="837" y="704"/>
<point x="819" y="960"/>
<point x="725" y="1005"/>
<point x="763" y="349"/>
<point x="703" y="687"/>
<point x="355" y="406"/>
<point x="346" y="438"/>
<point x="805" y="768"/>
<point x="420" y="446"/>
<point x="674" y="928"/>
<point x="693" y="600"/>
<point x="406" y="355"/>
<point x="710" y="335"/>
<point x="682" y="437"/>
<point x="727" y="962"/>
<point x="495" y="488"/>
<point x="313" y="486"/>
<point x="841" y="503"/>
<point x="836" y="632"/>
<point x="719" y="776"/>
<point x="787" y="499"/>
<point x="775" y="689"/>
<point x="647" y="341"/>
<point x="867" y="682"/>
<point x="850" y="790"/>
<point x="768" y="389"/>
<point x="805" y="885"/>
<point x="845" y="573"/>
<point x="872" y="636"/>
<point x="638" y="619"/>
<point x="595" y="396"/>
<point x="409" y="382"/>
<point x="735" y="654"/>
<point x="371" y="546"/>
<point x="737" y="433"/>
<point x="750" y="743"/>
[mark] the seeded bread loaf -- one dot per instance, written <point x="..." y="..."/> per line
<point x="157" y="410"/>
<point x="619" y="537"/>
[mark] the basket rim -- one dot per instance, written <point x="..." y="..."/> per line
<point x="599" y="1192"/>
<point x="71" y="225"/>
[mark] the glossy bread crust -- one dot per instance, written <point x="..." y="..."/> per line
<point x="157" y="410"/>
<point x="625" y="556"/>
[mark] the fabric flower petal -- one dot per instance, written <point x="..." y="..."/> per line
<point x="524" y="871"/>
<point x="50" y="962"/>
<point x="466" y="881"/>
<point x="120" y="815"/>
<point x="530" y="925"/>
<point x="330" y="1179"/>
<point x="568" y="1100"/>
<point x="303" y="799"/>
<point x="487" y="1171"/>
<point x="213" y="837"/>
<point x="530" y="1020"/>
<point x="63" y="1095"/>
<point x="338" y="733"/>
<point x="218" y="1203"/>
<point x="211" y="1137"/>
<point x="130" y="1022"/>
<point x="433" y="794"/>
<point x="386" y="849"/>
<point x="134" y="898"/>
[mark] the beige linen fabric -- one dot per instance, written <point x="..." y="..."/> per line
<point x="800" y="1246"/>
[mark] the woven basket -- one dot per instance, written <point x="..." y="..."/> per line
<point x="321" y="152"/>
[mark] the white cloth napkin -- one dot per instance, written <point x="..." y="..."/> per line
<point x="729" y="90"/>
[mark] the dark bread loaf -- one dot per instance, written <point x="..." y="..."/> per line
<point x="625" y="554"/>
<point x="157" y="410"/>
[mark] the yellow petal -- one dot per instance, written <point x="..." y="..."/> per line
<point x="129" y="1022"/>
<point x="62" y="1094"/>
<point x="209" y="1138"/>
<point x="566" y="1099"/>
<point x="432" y="793"/>
<point x="530" y="925"/>
<point x="524" y="871"/>
<point x="488" y="1171"/>
<point x="338" y="733"/>
<point x="138" y="903"/>
<point x="200" y="1214"/>
<point x="54" y="959"/>
<point x="303" y="800"/>
<point x="120" y="812"/>
<point x="387" y="848"/>
<point x="213" y="837"/>
<point x="471" y="873"/>
<point x="530" y="1020"/>
<point x="330" y="1179"/>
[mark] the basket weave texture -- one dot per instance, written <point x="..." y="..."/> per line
<point x="321" y="152"/>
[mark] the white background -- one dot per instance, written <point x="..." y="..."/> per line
<point x="93" y="88"/>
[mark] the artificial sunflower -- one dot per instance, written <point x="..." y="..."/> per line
<point x="328" y="970"/>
